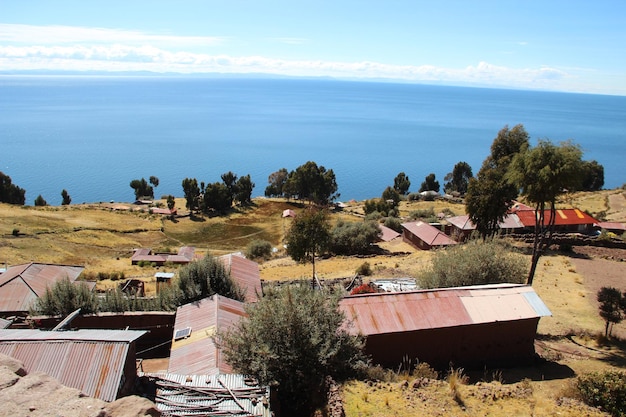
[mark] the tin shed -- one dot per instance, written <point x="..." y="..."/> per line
<point x="468" y="326"/>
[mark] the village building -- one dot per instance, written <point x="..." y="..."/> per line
<point x="566" y="220"/>
<point x="490" y="325"/>
<point x="461" y="227"/>
<point x="424" y="236"/>
<point x="198" y="377"/>
<point x="21" y="285"/>
<point x="613" y="227"/>
<point x="246" y="275"/>
<point x="387" y="234"/>
<point x="100" y="363"/>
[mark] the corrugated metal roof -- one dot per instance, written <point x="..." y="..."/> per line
<point x="387" y="233"/>
<point x="246" y="275"/>
<point x="20" y="285"/>
<point x="204" y="395"/>
<point x="612" y="225"/>
<point x="86" y="360"/>
<point x="429" y="234"/>
<point x="198" y="354"/>
<point x="564" y="217"/>
<point x="438" y="308"/>
<point x="511" y="221"/>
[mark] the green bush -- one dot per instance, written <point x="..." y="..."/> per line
<point x="604" y="389"/>
<point x="204" y="278"/>
<point x="259" y="249"/>
<point x="352" y="238"/>
<point x="393" y="223"/>
<point x="364" y="269"/>
<point x="474" y="263"/>
<point x="294" y="338"/>
<point x="16" y="232"/>
<point x="422" y="214"/>
<point x="64" y="297"/>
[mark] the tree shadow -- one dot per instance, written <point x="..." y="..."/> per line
<point x="540" y="370"/>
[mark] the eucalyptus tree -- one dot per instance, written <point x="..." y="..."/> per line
<point x="542" y="174"/>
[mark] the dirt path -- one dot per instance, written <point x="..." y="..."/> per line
<point x="617" y="208"/>
<point x="598" y="273"/>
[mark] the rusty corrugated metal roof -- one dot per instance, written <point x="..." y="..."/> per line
<point x="387" y="234"/>
<point x="429" y="234"/>
<point x="246" y="275"/>
<point x="89" y="360"/>
<point x="20" y="285"/>
<point x="382" y="313"/>
<point x="198" y="354"/>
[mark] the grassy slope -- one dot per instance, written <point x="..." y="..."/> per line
<point x="102" y="239"/>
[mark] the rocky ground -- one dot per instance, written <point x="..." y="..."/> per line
<point x="39" y="395"/>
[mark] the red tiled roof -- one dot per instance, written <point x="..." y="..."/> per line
<point x="429" y="234"/>
<point x="198" y="354"/>
<point x="564" y="217"/>
<point x="382" y="313"/>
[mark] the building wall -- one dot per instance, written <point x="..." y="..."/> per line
<point x="474" y="346"/>
<point x="414" y="240"/>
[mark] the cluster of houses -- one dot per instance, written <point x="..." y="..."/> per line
<point x="520" y="220"/>
<point x="478" y="326"/>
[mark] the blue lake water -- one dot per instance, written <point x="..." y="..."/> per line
<point x="93" y="135"/>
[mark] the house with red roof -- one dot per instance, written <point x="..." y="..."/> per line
<point x="424" y="236"/>
<point x="566" y="220"/>
<point x="185" y="255"/>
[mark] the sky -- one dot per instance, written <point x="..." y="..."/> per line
<point x="573" y="46"/>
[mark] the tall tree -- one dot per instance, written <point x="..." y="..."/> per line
<point x="66" y="198"/>
<point x="542" y="174"/>
<point x="593" y="176"/>
<point x="230" y="181"/>
<point x="489" y="194"/>
<point x="401" y="183"/>
<point x="171" y="202"/>
<point x="308" y="236"/>
<point x="294" y="338"/>
<point x="154" y="181"/>
<point x="192" y="193"/>
<point x="217" y="197"/>
<point x="430" y="184"/>
<point x="9" y="192"/>
<point x="142" y="189"/>
<point x="458" y="179"/>
<point x="244" y="187"/>
<point x="276" y="181"/>
<point x="312" y="183"/>
<point x="612" y="305"/>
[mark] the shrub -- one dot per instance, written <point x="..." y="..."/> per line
<point x="352" y="238"/>
<point x="16" y="232"/>
<point x="474" y="263"/>
<point x="604" y="389"/>
<point x="259" y="249"/>
<point x="294" y="337"/>
<point x="364" y="269"/>
<point x="204" y="278"/>
<point x="422" y="214"/>
<point x="65" y="297"/>
<point x="414" y="197"/>
<point x="40" y="202"/>
<point x="393" y="223"/>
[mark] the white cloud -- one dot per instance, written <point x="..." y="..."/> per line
<point x="53" y="35"/>
<point x="64" y="48"/>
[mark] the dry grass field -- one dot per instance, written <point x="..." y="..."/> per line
<point x="102" y="237"/>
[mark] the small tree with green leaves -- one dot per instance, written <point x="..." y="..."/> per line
<point x="293" y="339"/>
<point x="308" y="236"/>
<point x="401" y="183"/>
<point x="612" y="306"/>
<point x="259" y="249"/>
<point x="430" y="184"/>
<point x="142" y="189"/>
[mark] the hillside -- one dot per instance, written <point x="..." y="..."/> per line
<point x="102" y="237"/>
